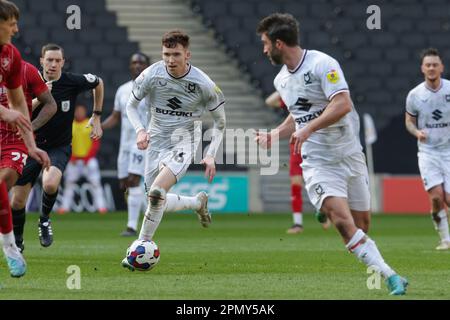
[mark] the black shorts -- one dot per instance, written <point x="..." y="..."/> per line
<point x="59" y="157"/>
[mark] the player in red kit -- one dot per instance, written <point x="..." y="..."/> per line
<point x="11" y="80"/>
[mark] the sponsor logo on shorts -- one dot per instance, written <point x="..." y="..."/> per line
<point x="319" y="190"/>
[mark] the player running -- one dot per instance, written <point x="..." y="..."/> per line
<point x="427" y="118"/>
<point x="325" y="126"/>
<point x="55" y="137"/>
<point x="177" y="94"/>
<point x="131" y="160"/>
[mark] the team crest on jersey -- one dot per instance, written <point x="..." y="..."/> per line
<point x="333" y="76"/>
<point x="90" y="77"/>
<point x="307" y="78"/>
<point x="190" y="87"/>
<point x="5" y="63"/>
<point x="65" y="105"/>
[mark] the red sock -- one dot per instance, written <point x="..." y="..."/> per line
<point x="296" y="196"/>
<point x="6" y="225"/>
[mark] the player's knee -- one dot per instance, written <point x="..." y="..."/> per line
<point x="437" y="202"/>
<point x="18" y="202"/>
<point x="157" y="196"/>
<point x="50" y="187"/>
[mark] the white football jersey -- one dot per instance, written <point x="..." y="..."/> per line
<point x="432" y="109"/>
<point x="306" y="91"/>
<point x="176" y="103"/>
<point x="127" y="133"/>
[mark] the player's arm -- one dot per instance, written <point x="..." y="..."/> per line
<point x="17" y="101"/>
<point x="48" y="110"/>
<point x="274" y="100"/>
<point x="411" y="126"/>
<point x="98" y="94"/>
<point x="339" y="106"/>
<point x="15" y="118"/>
<point x="112" y="120"/>
<point x="35" y="102"/>
<point x="218" y="129"/>
<point x="284" y="130"/>
<point x="142" y="139"/>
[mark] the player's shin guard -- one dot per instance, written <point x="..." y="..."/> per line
<point x="367" y="252"/>
<point x="6" y="225"/>
<point x="440" y="223"/>
<point x="135" y="199"/>
<point x="154" y="213"/>
<point x="175" y="202"/>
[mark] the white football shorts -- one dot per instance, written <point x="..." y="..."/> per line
<point x="130" y="160"/>
<point x="434" y="170"/>
<point x="348" y="178"/>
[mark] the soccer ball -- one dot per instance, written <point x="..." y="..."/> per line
<point x="143" y="255"/>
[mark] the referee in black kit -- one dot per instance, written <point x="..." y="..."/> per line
<point x="55" y="137"/>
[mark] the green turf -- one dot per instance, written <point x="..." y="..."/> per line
<point x="239" y="257"/>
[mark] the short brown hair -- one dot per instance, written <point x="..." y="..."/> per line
<point x="429" y="52"/>
<point x="51" y="47"/>
<point x="8" y="10"/>
<point x="282" y="26"/>
<point x="172" y="38"/>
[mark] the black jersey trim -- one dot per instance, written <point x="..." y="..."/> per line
<point x="135" y="96"/>
<point x="301" y="62"/>
<point x="184" y="75"/>
<point x="336" y="92"/>
<point x="218" y="106"/>
<point x="432" y="90"/>
<point x="412" y="115"/>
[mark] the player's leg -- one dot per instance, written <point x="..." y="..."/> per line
<point x="71" y="176"/>
<point x="295" y="172"/>
<point x="94" y="178"/>
<point x="51" y="179"/>
<point x="19" y="197"/>
<point x="439" y="216"/>
<point x="14" y="258"/>
<point x="297" y="204"/>
<point x="431" y="168"/>
<point x="9" y="176"/>
<point x="135" y="199"/>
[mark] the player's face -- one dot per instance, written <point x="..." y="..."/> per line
<point x="271" y="51"/>
<point x="137" y="65"/>
<point x="176" y="59"/>
<point x="8" y="28"/>
<point x="52" y="63"/>
<point x="80" y="113"/>
<point x="432" y="67"/>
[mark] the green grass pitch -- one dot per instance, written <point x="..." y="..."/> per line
<point x="238" y="257"/>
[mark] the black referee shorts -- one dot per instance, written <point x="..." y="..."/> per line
<point x="59" y="157"/>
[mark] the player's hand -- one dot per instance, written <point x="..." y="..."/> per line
<point x="142" y="140"/>
<point x="298" y="137"/>
<point x="97" y="131"/>
<point x="421" y="136"/>
<point x="210" y="165"/>
<point x="49" y="85"/>
<point x="40" y="156"/>
<point x="17" y="119"/>
<point x="264" y="139"/>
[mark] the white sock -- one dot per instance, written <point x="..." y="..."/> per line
<point x="175" y="202"/>
<point x="298" y="218"/>
<point x="366" y="251"/>
<point x="154" y="213"/>
<point x="442" y="226"/>
<point x="135" y="199"/>
<point x="9" y="245"/>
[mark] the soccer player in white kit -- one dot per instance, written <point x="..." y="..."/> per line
<point x="324" y="125"/>
<point x="131" y="160"/>
<point x="177" y="94"/>
<point x="427" y="118"/>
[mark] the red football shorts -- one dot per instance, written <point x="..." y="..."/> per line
<point x="13" y="156"/>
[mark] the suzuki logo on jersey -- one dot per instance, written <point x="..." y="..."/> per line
<point x="437" y="114"/>
<point x="309" y="117"/>
<point x="174" y="103"/>
<point x="305" y="105"/>
<point x="173" y="112"/>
